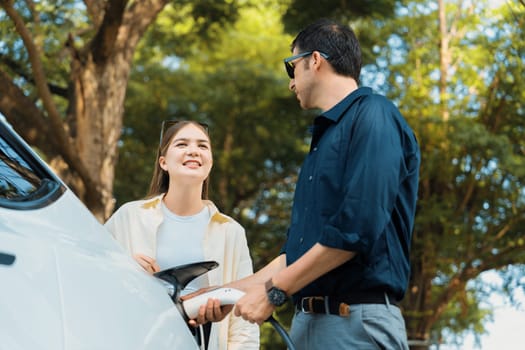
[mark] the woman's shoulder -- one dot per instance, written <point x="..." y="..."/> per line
<point x="221" y="218"/>
<point x="139" y="204"/>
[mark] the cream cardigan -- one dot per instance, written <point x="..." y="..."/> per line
<point x="134" y="225"/>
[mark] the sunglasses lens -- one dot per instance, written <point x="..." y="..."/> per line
<point x="289" y="69"/>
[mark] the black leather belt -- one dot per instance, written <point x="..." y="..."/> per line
<point x="341" y="305"/>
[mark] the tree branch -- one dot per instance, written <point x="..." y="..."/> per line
<point x="103" y="43"/>
<point x="55" y="119"/>
<point x="95" y="10"/>
<point x="25" y="117"/>
<point x="139" y="16"/>
<point x="18" y="69"/>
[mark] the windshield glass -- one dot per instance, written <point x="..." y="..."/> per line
<point x="24" y="182"/>
<point x="17" y="179"/>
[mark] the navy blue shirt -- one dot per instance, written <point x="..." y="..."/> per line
<point x="357" y="191"/>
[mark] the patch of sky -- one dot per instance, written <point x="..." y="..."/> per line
<point x="172" y="62"/>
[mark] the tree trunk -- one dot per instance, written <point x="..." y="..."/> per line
<point x="416" y="304"/>
<point x="444" y="60"/>
<point x="97" y="102"/>
<point x="81" y="144"/>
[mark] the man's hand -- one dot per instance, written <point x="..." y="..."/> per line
<point x="147" y="263"/>
<point x="254" y="306"/>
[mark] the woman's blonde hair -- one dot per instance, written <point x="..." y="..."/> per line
<point x="160" y="180"/>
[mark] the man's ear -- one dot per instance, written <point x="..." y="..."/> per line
<point x="316" y="58"/>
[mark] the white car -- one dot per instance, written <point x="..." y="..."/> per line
<point x="64" y="281"/>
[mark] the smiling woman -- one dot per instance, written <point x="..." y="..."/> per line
<point x="182" y="141"/>
<point x="160" y="179"/>
<point x="176" y="224"/>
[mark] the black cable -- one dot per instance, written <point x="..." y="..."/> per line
<point x="282" y="332"/>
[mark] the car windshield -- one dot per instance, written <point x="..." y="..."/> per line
<point x="16" y="176"/>
<point x="24" y="182"/>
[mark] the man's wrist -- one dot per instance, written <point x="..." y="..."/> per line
<point x="276" y="296"/>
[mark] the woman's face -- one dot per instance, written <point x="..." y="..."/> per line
<point x="188" y="158"/>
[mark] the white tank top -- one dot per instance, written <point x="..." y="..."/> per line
<point x="180" y="241"/>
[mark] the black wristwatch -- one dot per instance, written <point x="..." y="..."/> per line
<point x="276" y="296"/>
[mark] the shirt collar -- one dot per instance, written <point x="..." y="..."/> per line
<point x="337" y="111"/>
<point x="332" y="116"/>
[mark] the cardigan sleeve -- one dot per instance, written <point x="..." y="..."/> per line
<point x="242" y="335"/>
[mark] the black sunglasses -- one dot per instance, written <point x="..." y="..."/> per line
<point x="290" y="67"/>
<point x="166" y="124"/>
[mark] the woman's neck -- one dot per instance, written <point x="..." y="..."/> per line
<point x="184" y="201"/>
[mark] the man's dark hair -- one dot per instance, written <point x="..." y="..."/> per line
<point x="338" y="41"/>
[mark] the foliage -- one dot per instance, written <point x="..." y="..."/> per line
<point x="302" y="12"/>
<point x="364" y="16"/>
<point x="221" y="62"/>
<point x="240" y="91"/>
<point x="64" y="68"/>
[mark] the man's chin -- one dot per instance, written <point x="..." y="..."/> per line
<point x="303" y="105"/>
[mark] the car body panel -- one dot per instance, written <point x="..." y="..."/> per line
<point x="71" y="286"/>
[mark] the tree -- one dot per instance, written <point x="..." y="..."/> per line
<point x="358" y="13"/>
<point x="302" y="12"/>
<point x="72" y="111"/>
<point x="453" y="68"/>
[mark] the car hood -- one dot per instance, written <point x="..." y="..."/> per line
<point x="76" y="288"/>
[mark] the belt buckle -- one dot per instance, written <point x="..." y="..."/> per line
<point x="309" y="301"/>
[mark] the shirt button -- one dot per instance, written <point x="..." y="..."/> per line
<point x="301" y="240"/>
<point x="310" y="178"/>
<point x="315" y="149"/>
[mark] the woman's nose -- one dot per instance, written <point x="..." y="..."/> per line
<point x="192" y="150"/>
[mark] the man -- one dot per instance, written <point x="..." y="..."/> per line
<point x="346" y="258"/>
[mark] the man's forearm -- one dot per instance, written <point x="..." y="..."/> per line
<point x="313" y="264"/>
<point x="261" y="276"/>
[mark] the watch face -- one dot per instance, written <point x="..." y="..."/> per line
<point x="276" y="296"/>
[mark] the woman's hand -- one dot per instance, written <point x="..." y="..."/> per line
<point x="212" y="311"/>
<point x="147" y="263"/>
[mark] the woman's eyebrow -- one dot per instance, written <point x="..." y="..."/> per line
<point x="189" y="139"/>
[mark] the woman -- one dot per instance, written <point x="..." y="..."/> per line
<point x="177" y="225"/>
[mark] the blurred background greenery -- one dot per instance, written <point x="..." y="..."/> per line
<point x="454" y="68"/>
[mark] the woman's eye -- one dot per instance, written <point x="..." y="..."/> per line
<point x="203" y="146"/>
<point x="180" y="144"/>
